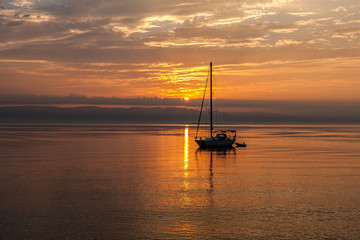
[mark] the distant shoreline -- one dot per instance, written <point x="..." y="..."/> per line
<point x="156" y="115"/>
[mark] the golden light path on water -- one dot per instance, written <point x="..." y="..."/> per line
<point x="186" y="165"/>
<point x="186" y="147"/>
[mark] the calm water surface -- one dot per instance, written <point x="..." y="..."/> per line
<point x="151" y="182"/>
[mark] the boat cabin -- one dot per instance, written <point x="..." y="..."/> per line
<point x="225" y="134"/>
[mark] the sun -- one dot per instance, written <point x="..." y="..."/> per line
<point x="186" y="98"/>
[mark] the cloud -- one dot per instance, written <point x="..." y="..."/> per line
<point x="294" y="108"/>
<point x="141" y="23"/>
<point x="14" y="23"/>
<point x="340" y="9"/>
<point x="21" y="3"/>
<point x="286" y="42"/>
<point x="109" y="47"/>
<point x="49" y="114"/>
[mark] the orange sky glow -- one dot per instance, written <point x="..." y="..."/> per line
<point x="261" y="50"/>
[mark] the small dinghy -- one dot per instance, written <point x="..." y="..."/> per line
<point x="241" y="144"/>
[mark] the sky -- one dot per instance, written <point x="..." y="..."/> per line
<point x="275" y="50"/>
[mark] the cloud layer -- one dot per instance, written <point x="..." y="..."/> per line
<point x="262" y="49"/>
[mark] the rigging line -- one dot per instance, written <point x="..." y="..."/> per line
<point x="220" y="108"/>
<point x="202" y="104"/>
<point x="215" y="94"/>
<point x="220" y="116"/>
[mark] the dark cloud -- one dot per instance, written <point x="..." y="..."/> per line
<point x="137" y="8"/>
<point x="294" y="108"/>
<point x="78" y="99"/>
<point x="14" y="23"/>
<point x="232" y="32"/>
<point x="23" y="114"/>
<point x="95" y="115"/>
<point x="63" y="52"/>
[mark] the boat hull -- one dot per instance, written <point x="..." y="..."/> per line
<point x="214" y="143"/>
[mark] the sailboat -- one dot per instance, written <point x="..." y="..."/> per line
<point x="216" y="138"/>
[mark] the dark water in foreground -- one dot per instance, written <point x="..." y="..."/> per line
<point x="150" y="182"/>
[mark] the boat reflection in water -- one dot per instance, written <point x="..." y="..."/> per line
<point x="220" y="154"/>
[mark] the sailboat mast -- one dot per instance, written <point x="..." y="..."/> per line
<point x="211" y="113"/>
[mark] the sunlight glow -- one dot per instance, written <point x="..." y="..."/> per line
<point x="182" y="82"/>
<point x="186" y="148"/>
<point x="186" y="199"/>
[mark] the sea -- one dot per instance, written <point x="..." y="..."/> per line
<point x="113" y="181"/>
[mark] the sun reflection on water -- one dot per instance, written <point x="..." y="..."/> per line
<point x="186" y="198"/>
<point x="186" y="148"/>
